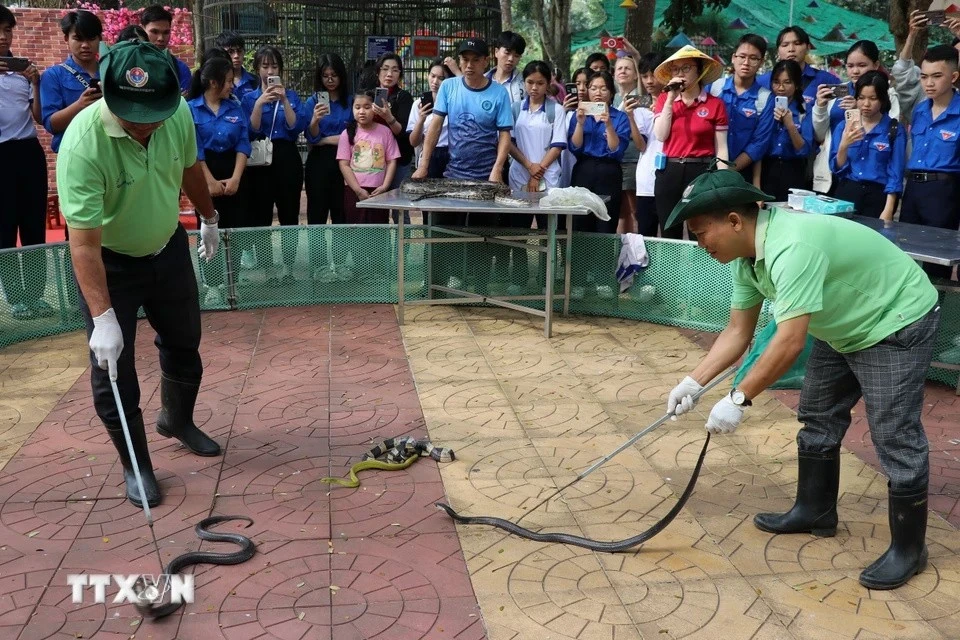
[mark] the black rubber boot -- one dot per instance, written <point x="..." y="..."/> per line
<point x="907" y="555"/>
<point x="815" y="510"/>
<point x="139" y="439"/>
<point x="175" y="420"/>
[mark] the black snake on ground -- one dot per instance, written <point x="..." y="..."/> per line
<point x="579" y="541"/>
<point x="248" y="549"/>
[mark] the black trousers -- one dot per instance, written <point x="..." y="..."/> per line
<point x="232" y="210"/>
<point x="605" y="178"/>
<point x="167" y="289"/>
<point x="646" y="215"/>
<point x="324" y="184"/>
<point x="868" y="197"/>
<point x="23" y="212"/>
<point x="778" y="176"/>
<point x="668" y="189"/>
<point x="279" y="184"/>
<point x="934" y="204"/>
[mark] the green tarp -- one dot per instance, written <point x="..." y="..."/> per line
<point x="765" y="19"/>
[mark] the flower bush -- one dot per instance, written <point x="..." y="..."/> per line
<point x="114" y="20"/>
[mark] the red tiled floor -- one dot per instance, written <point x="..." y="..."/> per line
<point x="292" y="396"/>
<point x="941" y="421"/>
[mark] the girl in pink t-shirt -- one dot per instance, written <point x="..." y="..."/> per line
<point x="368" y="154"/>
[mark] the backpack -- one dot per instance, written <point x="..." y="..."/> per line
<point x="763" y="95"/>
<point x="551" y="109"/>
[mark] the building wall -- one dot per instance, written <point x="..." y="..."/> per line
<point x="38" y="37"/>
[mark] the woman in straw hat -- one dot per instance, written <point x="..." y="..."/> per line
<point x="691" y="123"/>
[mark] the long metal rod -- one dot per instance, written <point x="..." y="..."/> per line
<point x="136" y="468"/>
<point x="729" y="372"/>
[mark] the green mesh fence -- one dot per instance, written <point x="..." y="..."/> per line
<point x="306" y="265"/>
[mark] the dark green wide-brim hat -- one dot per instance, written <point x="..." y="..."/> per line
<point x="139" y="82"/>
<point x="713" y="192"/>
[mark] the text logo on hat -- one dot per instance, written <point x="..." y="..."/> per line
<point x="137" y="77"/>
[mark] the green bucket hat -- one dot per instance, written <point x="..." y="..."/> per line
<point x="712" y="192"/>
<point x="139" y="82"/>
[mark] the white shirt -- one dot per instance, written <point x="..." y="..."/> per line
<point x="534" y="135"/>
<point x="646" y="173"/>
<point x="16" y="96"/>
<point x="412" y="122"/>
<point x="567" y="159"/>
<point x="514" y="85"/>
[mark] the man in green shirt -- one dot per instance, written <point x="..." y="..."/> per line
<point x="121" y="166"/>
<point x="873" y="314"/>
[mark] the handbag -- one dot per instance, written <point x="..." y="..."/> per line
<point x="261" y="151"/>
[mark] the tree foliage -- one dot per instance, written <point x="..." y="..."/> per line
<point x="680" y="15"/>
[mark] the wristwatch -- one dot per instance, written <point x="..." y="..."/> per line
<point x="740" y="399"/>
<point x="213" y="219"/>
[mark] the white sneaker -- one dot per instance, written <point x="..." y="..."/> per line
<point x="247" y="261"/>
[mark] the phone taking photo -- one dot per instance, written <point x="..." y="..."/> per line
<point x="15" y="64"/>
<point x="781" y="102"/>
<point x="936" y="17"/>
<point x="323" y="97"/>
<point x="380" y="96"/>
<point x="853" y="117"/>
<point x="274" y="80"/>
<point x="427" y="99"/>
<point x="839" y="90"/>
<point x="95" y="84"/>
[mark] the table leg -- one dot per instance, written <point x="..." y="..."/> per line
<point x="551" y="257"/>
<point x="566" y="265"/>
<point x="400" y="246"/>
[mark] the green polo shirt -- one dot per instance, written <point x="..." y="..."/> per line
<point x="106" y="179"/>
<point x="857" y="286"/>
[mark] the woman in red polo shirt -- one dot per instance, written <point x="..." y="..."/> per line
<point x="691" y="123"/>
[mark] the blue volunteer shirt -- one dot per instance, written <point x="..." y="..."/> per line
<point x="333" y="124"/>
<point x="595" y="137"/>
<point x="226" y="130"/>
<point x="936" y="143"/>
<point x="781" y="146"/>
<point x="246" y="83"/>
<point x="59" y="88"/>
<point x="873" y="159"/>
<point x="277" y="130"/>
<point x="183" y="74"/>
<point x="475" y="118"/>
<point x="811" y="79"/>
<point x="749" y="129"/>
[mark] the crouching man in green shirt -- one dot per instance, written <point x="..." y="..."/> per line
<point x="873" y="314"/>
<point x="120" y="168"/>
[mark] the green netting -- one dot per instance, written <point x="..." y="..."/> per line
<point x="293" y="266"/>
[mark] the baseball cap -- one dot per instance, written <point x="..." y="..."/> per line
<point x="474" y="45"/>
<point x="712" y="192"/>
<point x="139" y="82"/>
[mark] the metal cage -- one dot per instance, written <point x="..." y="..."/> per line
<point x="304" y="30"/>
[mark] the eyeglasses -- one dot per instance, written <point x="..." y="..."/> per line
<point x="739" y="57"/>
<point x="386" y="69"/>
<point x="685" y="69"/>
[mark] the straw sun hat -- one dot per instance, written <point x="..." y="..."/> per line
<point x="712" y="70"/>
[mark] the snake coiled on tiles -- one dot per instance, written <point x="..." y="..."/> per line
<point x="247" y="550"/>
<point x="579" y="541"/>
<point x="396" y="454"/>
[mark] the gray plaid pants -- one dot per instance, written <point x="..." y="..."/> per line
<point x="890" y="377"/>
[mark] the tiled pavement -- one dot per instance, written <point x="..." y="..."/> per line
<point x="297" y="394"/>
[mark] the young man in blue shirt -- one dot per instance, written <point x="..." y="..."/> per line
<point x="479" y="123"/>
<point x="158" y="22"/>
<point x="243" y="81"/>
<point x="932" y="194"/>
<point x="67" y="88"/>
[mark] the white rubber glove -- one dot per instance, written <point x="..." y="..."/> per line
<point x="106" y="341"/>
<point x="681" y="399"/>
<point x="725" y="416"/>
<point x="209" y="240"/>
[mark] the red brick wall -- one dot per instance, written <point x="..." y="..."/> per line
<point x="38" y="37"/>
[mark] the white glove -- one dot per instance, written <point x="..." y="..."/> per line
<point x="106" y="341"/>
<point x="681" y="399"/>
<point x="209" y="240"/>
<point x="725" y="416"/>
